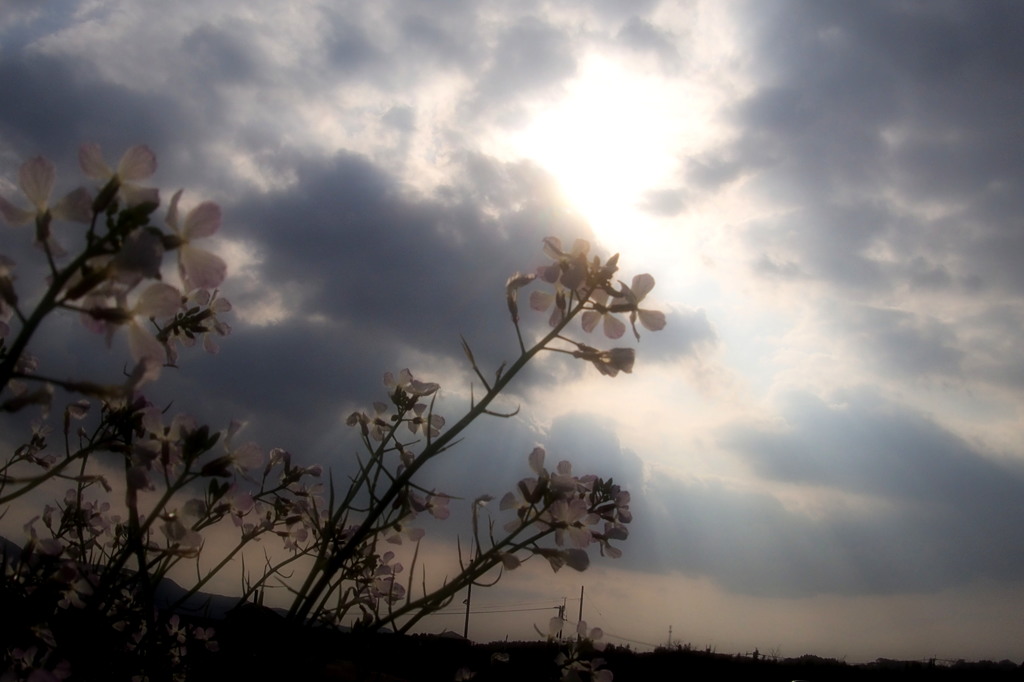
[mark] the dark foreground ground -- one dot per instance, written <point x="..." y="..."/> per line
<point x="266" y="649"/>
<point x="256" y="644"/>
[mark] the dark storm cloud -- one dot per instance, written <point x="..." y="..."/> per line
<point x="366" y="269"/>
<point x="18" y="17"/>
<point x="902" y="343"/>
<point x="222" y="54"/>
<point x="421" y="269"/>
<point x="380" y="272"/>
<point x="860" y="100"/>
<point x="529" y="58"/>
<point x="703" y="174"/>
<point x="401" y="118"/>
<point x="620" y="10"/>
<point x="867" y="446"/>
<point x="496" y="451"/>
<point x="590" y="443"/>
<point x="64" y="102"/>
<point x="996" y="356"/>
<point x="839" y="237"/>
<point x="59" y="105"/>
<point x="351" y="50"/>
<point x="955" y="501"/>
<point x="935" y="511"/>
<point x="445" y="33"/>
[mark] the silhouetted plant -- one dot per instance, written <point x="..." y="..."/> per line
<point x="93" y="564"/>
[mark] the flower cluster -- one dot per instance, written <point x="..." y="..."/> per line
<point x="578" y="510"/>
<point x="107" y="282"/>
<point x="95" y="560"/>
<point x="584" y="286"/>
<point x="89" y="556"/>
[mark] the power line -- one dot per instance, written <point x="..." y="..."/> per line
<point x="460" y="611"/>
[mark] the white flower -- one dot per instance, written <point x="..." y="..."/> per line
<point x="36" y="178"/>
<point x="199" y="268"/>
<point x="137" y="163"/>
<point x="158" y="300"/>
<point x="652" y="320"/>
<point x="613" y="327"/>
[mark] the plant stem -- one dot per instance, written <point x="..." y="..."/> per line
<point x="327" y="568"/>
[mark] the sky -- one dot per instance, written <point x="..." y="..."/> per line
<point x="824" y="445"/>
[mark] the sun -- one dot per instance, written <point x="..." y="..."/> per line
<point x="613" y="137"/>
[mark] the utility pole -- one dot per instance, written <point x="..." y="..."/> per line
<point x="561" y="617"/>
<point x="580" y="619"/>
<point x="669" y="636"/>
<point x="469" y="598"/>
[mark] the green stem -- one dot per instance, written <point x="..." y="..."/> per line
<point x="306" y="599"/>
<point x="45" y="306"/>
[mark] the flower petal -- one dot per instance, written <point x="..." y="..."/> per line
<point x="642" y="285"/>
<point x="553" y="247"/>
<point x="75" y="206"/>
<point x="36" y="178"/>
<point x="143" y="345"/>
<point x="137" y="163"/>
<point x="172" y="211"/>
<point x="541" y="300"/>
<point x="652" y="320"/>
<point x="90" y="158"/>
<point x="613" y="327"/>
<point x="202" y="221"/>
<point x="577" y="559"/>
<point x="13" y="215"/>
<point x="158" y="300"/>
<point x="201" y="269"/>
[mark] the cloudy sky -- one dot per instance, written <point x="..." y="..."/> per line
<point x="824" y="445"/>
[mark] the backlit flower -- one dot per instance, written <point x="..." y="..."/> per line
<point x="435" y="503"/>
<point x="569" y="269"/>
<point x="430" y="423"/>
<point x="402" y="530"/>
<point x="137" y="163"/>
<point x="542" y="300"/>
<point x="181" y="539"/>
<point x="608" y="362"/>
<point x="199" y="268"/>
<point x="36" y="179"/>
<point x="408" y="384"/>
<point x="652" y="320"/>
<point x="570" y="520"/>
<point x="159" y="301"/>
<point x="613" y="327"/>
